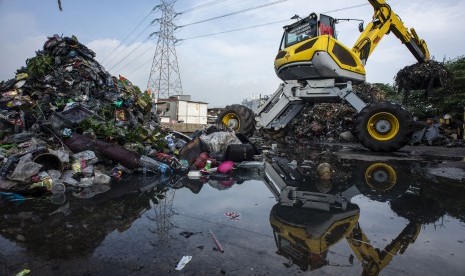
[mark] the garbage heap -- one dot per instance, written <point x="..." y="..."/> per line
<point x="425" y="76"/>
<point x="64" y="120"/>
<point x="67" y="124"/>
<point x="332" y="122"/>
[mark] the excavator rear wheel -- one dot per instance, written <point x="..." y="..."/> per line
<point x="384" y="127"/>
<point x="239" y="118"/>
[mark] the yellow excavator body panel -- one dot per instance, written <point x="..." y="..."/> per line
<point x="315" y="243"/>
<point x="319" y="58"/>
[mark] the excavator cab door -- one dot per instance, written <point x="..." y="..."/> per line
<point x="327" y="25"/>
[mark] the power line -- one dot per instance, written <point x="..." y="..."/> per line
<point x="201" y="6"/>
<point x="348" y="8"/>
<point x="234" y="30"/>
<point x="140" y="66"/>
<point x="136" y="58"/>
<point x="233" y="13"/>
<point x="265" y="24"/>
<point x="129" y="34"/>
<point x="132" y="51"/>
<point x="122" y="48"/>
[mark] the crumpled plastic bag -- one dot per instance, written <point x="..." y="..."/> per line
<point x="25" y="169"/>
<point x="218" y="142"/>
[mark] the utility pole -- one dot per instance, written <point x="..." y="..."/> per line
<point x="165" y="80"/>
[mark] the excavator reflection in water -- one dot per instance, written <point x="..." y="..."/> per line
<point x="306" y="223"/>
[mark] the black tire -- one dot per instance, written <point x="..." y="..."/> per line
<point x="384" y="127"/>
<point x="381" y="181"/>
<point x="239" y="118"/>
<point x="271" y="134"/>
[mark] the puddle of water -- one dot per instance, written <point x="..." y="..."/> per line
<point x="385" y="216"/>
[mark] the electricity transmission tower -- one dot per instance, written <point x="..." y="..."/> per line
<point x="164" y="79"/>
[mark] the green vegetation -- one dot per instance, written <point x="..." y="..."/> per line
<point x="39" y="66"/>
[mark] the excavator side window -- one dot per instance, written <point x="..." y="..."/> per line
<point x="327" y="26"/>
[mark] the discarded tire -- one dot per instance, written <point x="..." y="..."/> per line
<point x="384" y="127"/>
<point x="239" y="118"/>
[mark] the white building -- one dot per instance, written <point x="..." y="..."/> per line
<point x="181" y="109"/>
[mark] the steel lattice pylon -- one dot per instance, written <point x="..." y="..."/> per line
<point x="165" y="80"/>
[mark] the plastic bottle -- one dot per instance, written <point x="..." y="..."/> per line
<point x="170" y="143"/>
<point x="154" y="165"/>
<point x="58" y="188"/>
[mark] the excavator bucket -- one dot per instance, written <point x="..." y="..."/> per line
<point x="427" y="76"/>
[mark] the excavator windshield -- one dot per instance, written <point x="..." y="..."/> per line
<point x="300" y="31"/>
<point x="307" y="28"/>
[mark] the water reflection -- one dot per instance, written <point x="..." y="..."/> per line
<point x="78" y="226"/>
<point x="311" y="216"/>
<point x="308" y="220"/>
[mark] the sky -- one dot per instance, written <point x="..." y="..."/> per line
<point x="220" y="69"/>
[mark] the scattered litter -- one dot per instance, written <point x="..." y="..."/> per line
<point x="235" y="216"/>
<point x="182" y="263"/>
<point x="217" y="142"/>
<point x="194" y="174"/>
<point x="226" y="167"/>
<point x="217" y="243"/>
<point x="58" y="188"/>
<point x="12" y="197"/>
<point x="251" y="165"/>
<point x="324" y="171"/>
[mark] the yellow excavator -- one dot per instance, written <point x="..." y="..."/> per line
<point x="307" y="224"/>
<point x="317" y="68"/>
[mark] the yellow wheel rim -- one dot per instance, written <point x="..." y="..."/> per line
<point x="381" y="176"/>
<point x="232" y="121"/>
<point x="383" y="126"/>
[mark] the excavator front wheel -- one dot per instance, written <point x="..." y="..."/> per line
<point x="384" y="127"/>
<point x="381" y="181"/>
<point x="239" y="118"/>
<point x="380" y="176"/>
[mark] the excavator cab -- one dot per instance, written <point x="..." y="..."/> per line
<point x="310" y="27"/>
<point x="309" y="50"/>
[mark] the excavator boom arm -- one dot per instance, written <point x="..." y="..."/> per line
<point x="385" y="21"/>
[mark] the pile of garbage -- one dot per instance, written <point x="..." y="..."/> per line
<point x="423" y="76"/>
<point x="332" y="122"/>
<point x="66" y="123"/>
